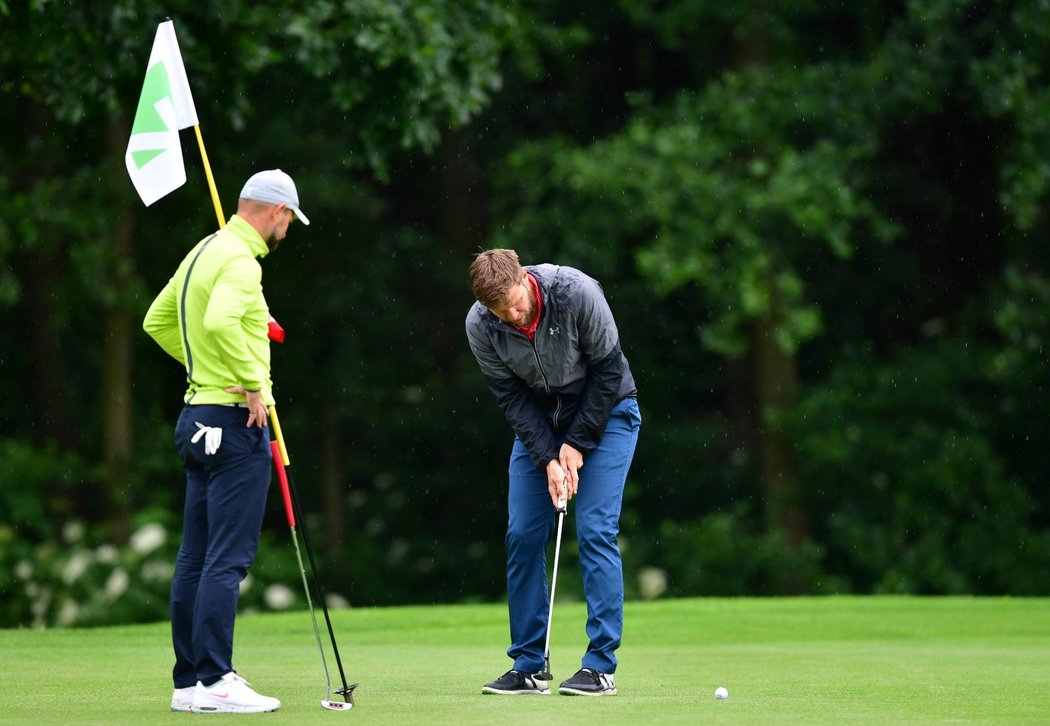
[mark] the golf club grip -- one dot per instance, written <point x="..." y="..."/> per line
<point x="282" y="476"/>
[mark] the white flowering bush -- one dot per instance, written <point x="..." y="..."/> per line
<point x="81" y="579"/>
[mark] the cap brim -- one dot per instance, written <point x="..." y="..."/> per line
<point x="301" y="216"/>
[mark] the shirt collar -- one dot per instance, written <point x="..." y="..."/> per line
<point x="241" y="229"/>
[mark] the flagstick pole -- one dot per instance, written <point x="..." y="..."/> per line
<point x="211" y="180"/>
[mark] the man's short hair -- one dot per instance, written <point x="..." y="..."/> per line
<point x="492" y="274"/>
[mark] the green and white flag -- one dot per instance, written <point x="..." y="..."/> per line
<point x="154" y="155"/>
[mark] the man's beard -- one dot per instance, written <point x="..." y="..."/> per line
<point x="272" y="243"/>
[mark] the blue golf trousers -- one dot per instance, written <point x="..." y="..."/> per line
<point x="225" y="502"/>
<point x="532" y="525"/>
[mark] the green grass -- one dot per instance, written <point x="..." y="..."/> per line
<point x="785" y="661"/>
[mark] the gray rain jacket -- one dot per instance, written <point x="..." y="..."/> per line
<point x="569" y="379"/>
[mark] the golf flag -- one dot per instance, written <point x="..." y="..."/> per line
<point x="154" y="155"/>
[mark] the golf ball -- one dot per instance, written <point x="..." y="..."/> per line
<point x="721" y="693"/>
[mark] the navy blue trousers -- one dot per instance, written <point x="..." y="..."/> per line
<point x="531" y="526"/>
<point x="225" y="502"/>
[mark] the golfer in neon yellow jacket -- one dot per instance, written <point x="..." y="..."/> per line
<point x="212" y="318"/>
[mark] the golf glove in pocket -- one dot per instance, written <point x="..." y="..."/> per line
<point x="212" y="437"/>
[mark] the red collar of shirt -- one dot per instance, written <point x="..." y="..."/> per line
<point x="530" y="331"/>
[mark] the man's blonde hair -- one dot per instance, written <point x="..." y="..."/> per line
<point x="492" y="274"/>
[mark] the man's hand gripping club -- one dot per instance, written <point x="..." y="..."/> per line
<point x="563" y="477"/>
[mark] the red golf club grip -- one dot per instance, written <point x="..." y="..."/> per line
<point x="282" y="476"/>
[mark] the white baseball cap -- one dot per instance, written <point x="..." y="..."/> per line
<point x="273" y="186"/>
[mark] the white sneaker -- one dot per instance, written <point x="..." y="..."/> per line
<point x="231" y="694"/>
<point x="182" y="698"/>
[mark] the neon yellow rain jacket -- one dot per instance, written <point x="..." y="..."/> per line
<point x="212" y="317"/>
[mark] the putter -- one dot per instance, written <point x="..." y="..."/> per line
<point x="291" y="509"/>
<point x="561" y="509"/>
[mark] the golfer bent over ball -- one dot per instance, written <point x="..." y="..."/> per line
<point x="212" y="318"/>
<point x="548" y="348"/>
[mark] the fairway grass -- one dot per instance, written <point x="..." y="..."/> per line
<point x="877" y="660"/>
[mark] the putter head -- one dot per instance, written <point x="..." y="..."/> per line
<point x="347" y="693"/>
<point x="545" y="676"/>
<point x="337" y="705"/>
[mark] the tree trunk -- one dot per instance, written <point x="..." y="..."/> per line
<point x="118" y="430"/>
<point x="776" y="372"/>
<point x="52" y="406"/>
<point x="54" y="409"/>
<point x="776" y="382"/>
<point x="333" y="489"/>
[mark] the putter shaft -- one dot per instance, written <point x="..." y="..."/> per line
<point x="293" y="512"/>
<point x="546" y="675"/>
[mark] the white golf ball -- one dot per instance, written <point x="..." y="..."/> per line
<point x="721" y="693"/>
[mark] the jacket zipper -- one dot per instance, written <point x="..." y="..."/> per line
<point x="546" y="385"/>
<point x="182" y="317"/>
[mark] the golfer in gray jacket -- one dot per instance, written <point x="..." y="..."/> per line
<point x="548" y="347"/>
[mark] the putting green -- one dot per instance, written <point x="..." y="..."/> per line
<point x="793" y="660"/>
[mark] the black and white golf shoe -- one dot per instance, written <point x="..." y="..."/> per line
<point x="517" y="683"/>
<point x="589" y="682"/>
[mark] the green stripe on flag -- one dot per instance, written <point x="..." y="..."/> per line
<point x="155" y="88"/>
<point x="141" y="158"/>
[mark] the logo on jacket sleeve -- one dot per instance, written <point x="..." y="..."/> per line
<point x="554" y="330"/>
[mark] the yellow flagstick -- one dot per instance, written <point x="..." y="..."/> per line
<point x="211" y="186"/>
<point x="276" y="423"/>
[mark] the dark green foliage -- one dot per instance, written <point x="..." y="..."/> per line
<point x="869" y="178"/>
<point x="916" y="469"/>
